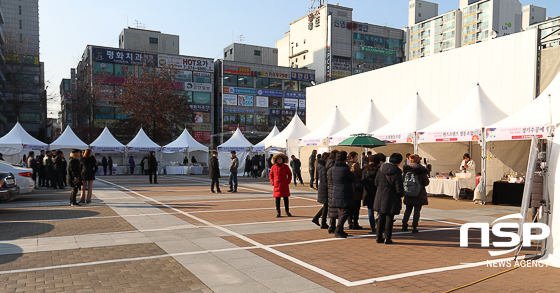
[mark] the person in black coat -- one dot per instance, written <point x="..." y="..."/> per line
<point x="343" y="192"/>
<point x="74" y="178"/>
<point x="214" y="169"/>
<point x="88" y="168"/>
<point x="368" y="182"/>
<point x="104" y="164"/>
<point x="110" y="163"/>
<point x="248" y="166"/>
<point x="152" y="166"/>
<point x="322" y="192"/>
<point x="421" y="199"/>
<point x="255" y="162"/>
<point x="388" y="202"/>
<point x="60" y="165"/>
<point x="295" y="164"/>
<point x="333" y="211"/>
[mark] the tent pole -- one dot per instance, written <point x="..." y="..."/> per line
<point x="415" y="140"/>
<point x="483" y="179"/>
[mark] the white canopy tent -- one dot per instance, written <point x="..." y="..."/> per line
<point x="371" y="119"/>
<point x="289" y="137"/>
<point x="141" y="145"/>
<point x="107" y="144"/>
<point x="320" y="136"/>
<point x="184" y="145"/>
<point x="552" y="256"/>
<point x="237" y="143"/>
<point x="17" y="142"/>
<point x="68" y="141"/>
<point x="260" y="147"/>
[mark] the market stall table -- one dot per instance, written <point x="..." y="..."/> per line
<point x="449" y="187"/>
<point x="177" y="170"/>
<point x="507" y="193"/>
<point x="196" y="170"/>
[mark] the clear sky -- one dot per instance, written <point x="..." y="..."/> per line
<point x="205" y="27"/>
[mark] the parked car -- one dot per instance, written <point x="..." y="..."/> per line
<point x="8" y="187"/>
<point x="22" y="176"/>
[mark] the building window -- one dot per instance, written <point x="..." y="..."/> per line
<point x="21" y="25"/>
<point x="231" y="51"/>
<point x="225" y="54"/>
<point x="153" y="40"/>
<point x="21" y="38"/>
<point x="419" y="14"/>
<point x="257" y="53"/>
<point x="20" y="10"/>
<point x="303" y="57"/>
<point x="296" y="44"/>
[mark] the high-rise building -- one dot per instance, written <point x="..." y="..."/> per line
<point x="330" y="42"/>
<point x="420" y="10"/>
<point x="148" y="41"/>
<point x="251" y="54"/>
<point x="24" y="91"/>
<point x="532" y="14"/>
<point x="3" y="118"/>
<point x="434" y="35"/>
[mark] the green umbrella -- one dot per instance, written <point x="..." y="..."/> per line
<point x="362" y="140"/>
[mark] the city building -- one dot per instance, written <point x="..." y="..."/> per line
<point x="330" y="42"/>
<point x="3" y="102"/>
<point x="68" y="102"/>
<point x="419" y="10"/>
<point x="434" y="35"/>
<point x="256" y="97"/>
<point x="24" y="91"/>
<point x="148" y="41"/>
<point x="531" y="15"/>
<point x="251" y="54"/>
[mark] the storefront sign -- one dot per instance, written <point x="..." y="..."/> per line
<point x="301" y="104"/>
<point x="239" y="90"/>
<point x="396" y="137"/>
<point x="378" y="51"/>
<point x="270" y="93"/>
<point x="295" y="95"/>
<point x="201" y="98"/>
<point x="243" y="110"/>
<point x="183" y="76"/>
<point x="453" y="135"/>
<point x="237" y="70"/>
<point x="363" y="27"/>
<point x="143" y="149"/>
<point x="202" y="136"/>
<point x="290" y="103"/>
<point x="123" y="57"/>
<point x="262" y="101"/>
<point x="302" y="76"/>
<point x="282" y="112"/>
<point x="198" y="87"/>
<point x="29" y="147"/>
<point x="234" y="128"/>
<point x="516" y="133"/>
<point x="272" y="74"/>
<point x="313" y="142"/>
<point x="106" y="149"/>
<point x="202" y="77"/>
<point x="230" y="100"/>
<point x="301" y="113"/>
<point x="275" y="103"/>
<point x="201" y="108"/>
<point x="202" y="127"/>
<point x="341" y="67"/>
<point x="243" y="100"/>
<point x="174" y="150"/>
<point x="187" y="63"/>
<point x="201" y="117"/>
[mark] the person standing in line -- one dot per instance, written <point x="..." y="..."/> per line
<point x="41" y="168"/>
<point x="407" y="159"/>
<point x="49" y="169"/>
<point x="388" y="202"/>
<point x="74" y="176"/>
<point x="131" y="164"/>
<point x="255" y="162"/>
<point x="248" y="166"/>
<point x="368" y="182"/>
<point x="88" y="168"/>
<point x="316" y="172"/>
<point x="354" y="213"/>
<point x="312" y="159"/>
<point x="415" y="202"/>
<point x="214" y="172"/>
<point x="32" y="163"/>
<point x="280" y="178"/>
<point x="60" y="168"/>
<point x="233" y="166"/>
<point x="152" y="167"/>
<point x="104" y="164"/>
<point x="110" y="163"/>
<point x="343" y="193"/>
<point x="143" y="166"/>
<point x="333" y="211"/>
<point x="322" y="192"/>
<point x="295" y="164"/>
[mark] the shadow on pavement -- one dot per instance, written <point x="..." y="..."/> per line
<point x="15" y="253"/>
<point x="45" y="215"/>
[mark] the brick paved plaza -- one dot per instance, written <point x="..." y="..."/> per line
<point x="178" y="237"/>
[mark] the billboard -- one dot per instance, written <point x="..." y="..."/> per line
<point x="270" y="93"/>
<point x="290" y="103"/>
<point x="198" y="87"/>
<point x="262" y="102"/>
<point x="239" y="90"/>
<point x="186" y="63"/>
<point x="230" y="100"/>
<point x="237" y="70"/>
<point x="123" y="57"/>
<point x="243" y="100"/>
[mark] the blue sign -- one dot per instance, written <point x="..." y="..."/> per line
<point x="270" y="93"/>
<point x="239" y="90"/>
<point x="123" y="57"/>
<point x="295" y="95"/>
<point x="302" y="76"/>
<point x="274" y="112"/>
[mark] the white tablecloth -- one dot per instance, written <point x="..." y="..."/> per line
<point x="177" y="170"/>
<point x="196" y="170"/>
<point x="449" y="187"/>
<point x="121" y="169"/>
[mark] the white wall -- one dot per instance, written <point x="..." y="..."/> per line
<point x="505" y="68"/>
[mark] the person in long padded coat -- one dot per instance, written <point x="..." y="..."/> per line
<point x="368" y="181"/>
<point x="74" y="177"/>
<point x="388" y="202"/>
<point x="343" y="192"/>
<point x="88" y="168"/>
<point x="280" y="178"/>
<point x="333" y="211"/>
<point x="322" y="192"/>
<point x="421" y="199"/>
<point x="214" y="171"/>
<point x="354" y="213"/>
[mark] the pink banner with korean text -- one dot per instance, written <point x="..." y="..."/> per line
<point x="450" y="135"/>
<point x="516" y="133"/>
<point x="396" y="137"/>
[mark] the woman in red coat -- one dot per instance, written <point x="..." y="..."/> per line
<point x="280" y="178"/>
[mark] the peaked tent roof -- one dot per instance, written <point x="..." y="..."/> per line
<point x="18" y="139"/>
<point x="237" y="142"/>
<point x="370" y="120"/>
<point x="478" y="108"/>
<point x="259" y="147"/>
<point x="141" y="142"/>
<point x="68" y="140"/>
<point x="334" y="123"/>
<point x="415" y="116"/>
<point x="106" y="142"/>
<point x="185" y="142"/>
<point x="295" y="130"/>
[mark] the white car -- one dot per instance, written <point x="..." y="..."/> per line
<point x="22" y="176"/>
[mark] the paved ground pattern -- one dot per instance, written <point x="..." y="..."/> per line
<point x="176" y="236"/>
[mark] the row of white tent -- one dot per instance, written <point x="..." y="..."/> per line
<point x="18" y="142"/>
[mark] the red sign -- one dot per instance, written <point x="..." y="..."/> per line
<point x="237" y="70"/>
<point x="202" y="136"/>
<point x="525" y="136"/>
<point x="234" y="128"/>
